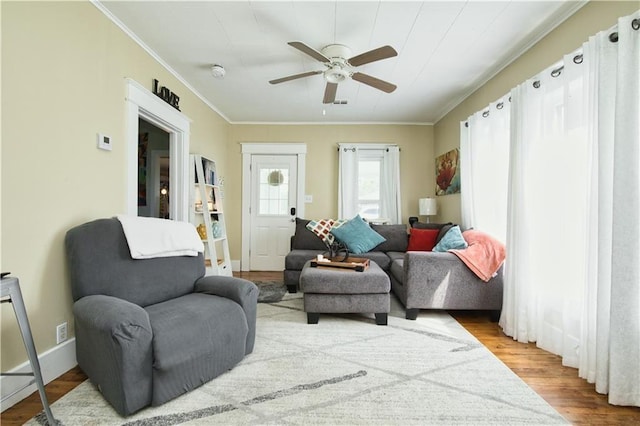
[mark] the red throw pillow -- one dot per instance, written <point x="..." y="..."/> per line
<point x="422" y="239"/>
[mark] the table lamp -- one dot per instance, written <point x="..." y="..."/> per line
<point x="427" y="207"/>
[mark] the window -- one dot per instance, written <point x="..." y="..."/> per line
<point x="369" y="182"/>
<point x="369" y="168"/>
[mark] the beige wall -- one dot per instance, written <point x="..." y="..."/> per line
<point x="416" y="167"/>
<point x="64" y="66"/>
<point x="595" y="16"/>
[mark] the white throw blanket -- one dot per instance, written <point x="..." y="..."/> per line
<point x="149" y="237"/>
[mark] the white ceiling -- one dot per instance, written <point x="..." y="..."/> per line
<point x="446" y="50"/>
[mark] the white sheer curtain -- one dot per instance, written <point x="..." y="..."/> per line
<point x="467" y="203"/>
<point x="547" y="221"/>
<point x="390" y="185"/>
<point x="612" y="332"/>
<point x="484" y="166"/>
<point x="347" y="181"/>
<point x="572" y="281"/>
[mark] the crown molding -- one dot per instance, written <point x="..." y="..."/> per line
<point x="155" y="56"/>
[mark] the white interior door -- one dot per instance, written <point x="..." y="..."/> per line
<point x="273" y="203"/>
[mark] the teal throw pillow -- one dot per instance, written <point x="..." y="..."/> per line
<point x="357" y="235"/>
<point x="452" y="240"/>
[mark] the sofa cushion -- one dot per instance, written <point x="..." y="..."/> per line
<point x="394" y="255"/>
<point x="296" y="258"/>
<point x="442" y="227"/>
<point x="305" y="239"/>
<point x="395" y="235"/>
<point x="357" y="235"/>
<point x="453" y="239"/>
<point x="379" y="257"/>
<point x="443" y="231"/>
<point x="423" y="225"/>
<point x="397" y="269"/>
<point x="323" y="227"/>
<point x="422" y="239"/>
<point x="196" y="337"/>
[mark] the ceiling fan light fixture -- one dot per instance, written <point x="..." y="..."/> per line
<point x="335" y="74"/>
<point x="339" y="65"/>
<point x="218" y="71"/>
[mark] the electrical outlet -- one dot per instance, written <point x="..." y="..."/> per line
<point x="61" y="333"/>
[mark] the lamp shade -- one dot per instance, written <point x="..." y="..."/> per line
<point x="427" y="207"/>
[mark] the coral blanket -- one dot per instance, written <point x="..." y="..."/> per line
<point x="149" y="237"/>
<point x="484" y="255"/>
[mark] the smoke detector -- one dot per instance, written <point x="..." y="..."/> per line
<point x="218" y="71"/>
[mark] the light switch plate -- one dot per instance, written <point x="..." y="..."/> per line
<point x="104" y="142"/>
<point x="308" y="199"/>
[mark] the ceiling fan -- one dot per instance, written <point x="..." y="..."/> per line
<point x="339" y="66"/>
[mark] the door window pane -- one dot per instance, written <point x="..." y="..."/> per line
<point x="274" y="191"/>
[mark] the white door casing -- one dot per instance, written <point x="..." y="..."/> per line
<point x="295" y="151"/>
<point x="142" y="103"/>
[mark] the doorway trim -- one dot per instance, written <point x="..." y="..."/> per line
<point x="141" y="103"/>
<point x="249" y="149"/>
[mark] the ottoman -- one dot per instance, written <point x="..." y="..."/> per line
<point x="336" y="290"/>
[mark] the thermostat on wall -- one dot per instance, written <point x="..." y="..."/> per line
<point x="104" y="142"/>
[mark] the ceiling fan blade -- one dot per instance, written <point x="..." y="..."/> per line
<point x="374" y="82"/>
<point x="309" y="51"/>
<point x="330" y="93"/>
<point x="378" y="54"/>
<point x="294" y="77"/>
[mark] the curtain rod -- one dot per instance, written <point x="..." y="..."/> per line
<point x="367" y="149"/>
<point x="365" y="146"/>
<point x="578" y="59"/>
<point x="613" y="38"/>
<point x="486" y="113"/>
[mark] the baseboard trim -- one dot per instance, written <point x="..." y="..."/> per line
<point x="235" y="265"/>
<point x="53" y="363"/>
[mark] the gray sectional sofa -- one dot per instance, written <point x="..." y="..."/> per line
<point x="420" y="280"/>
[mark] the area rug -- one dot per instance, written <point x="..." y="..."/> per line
<point x="345" y="370"/>
<point x="270" y="291"/>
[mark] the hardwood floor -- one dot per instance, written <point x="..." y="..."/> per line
<point x="560" y="386"/>
<point x="27" y="408"/>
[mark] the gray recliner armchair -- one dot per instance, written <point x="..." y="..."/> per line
<point x="150" y="330"/>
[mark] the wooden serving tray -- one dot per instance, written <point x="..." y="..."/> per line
<point x="358" y="264"/>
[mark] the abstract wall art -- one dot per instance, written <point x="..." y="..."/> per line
<point x="448" y="173"/>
